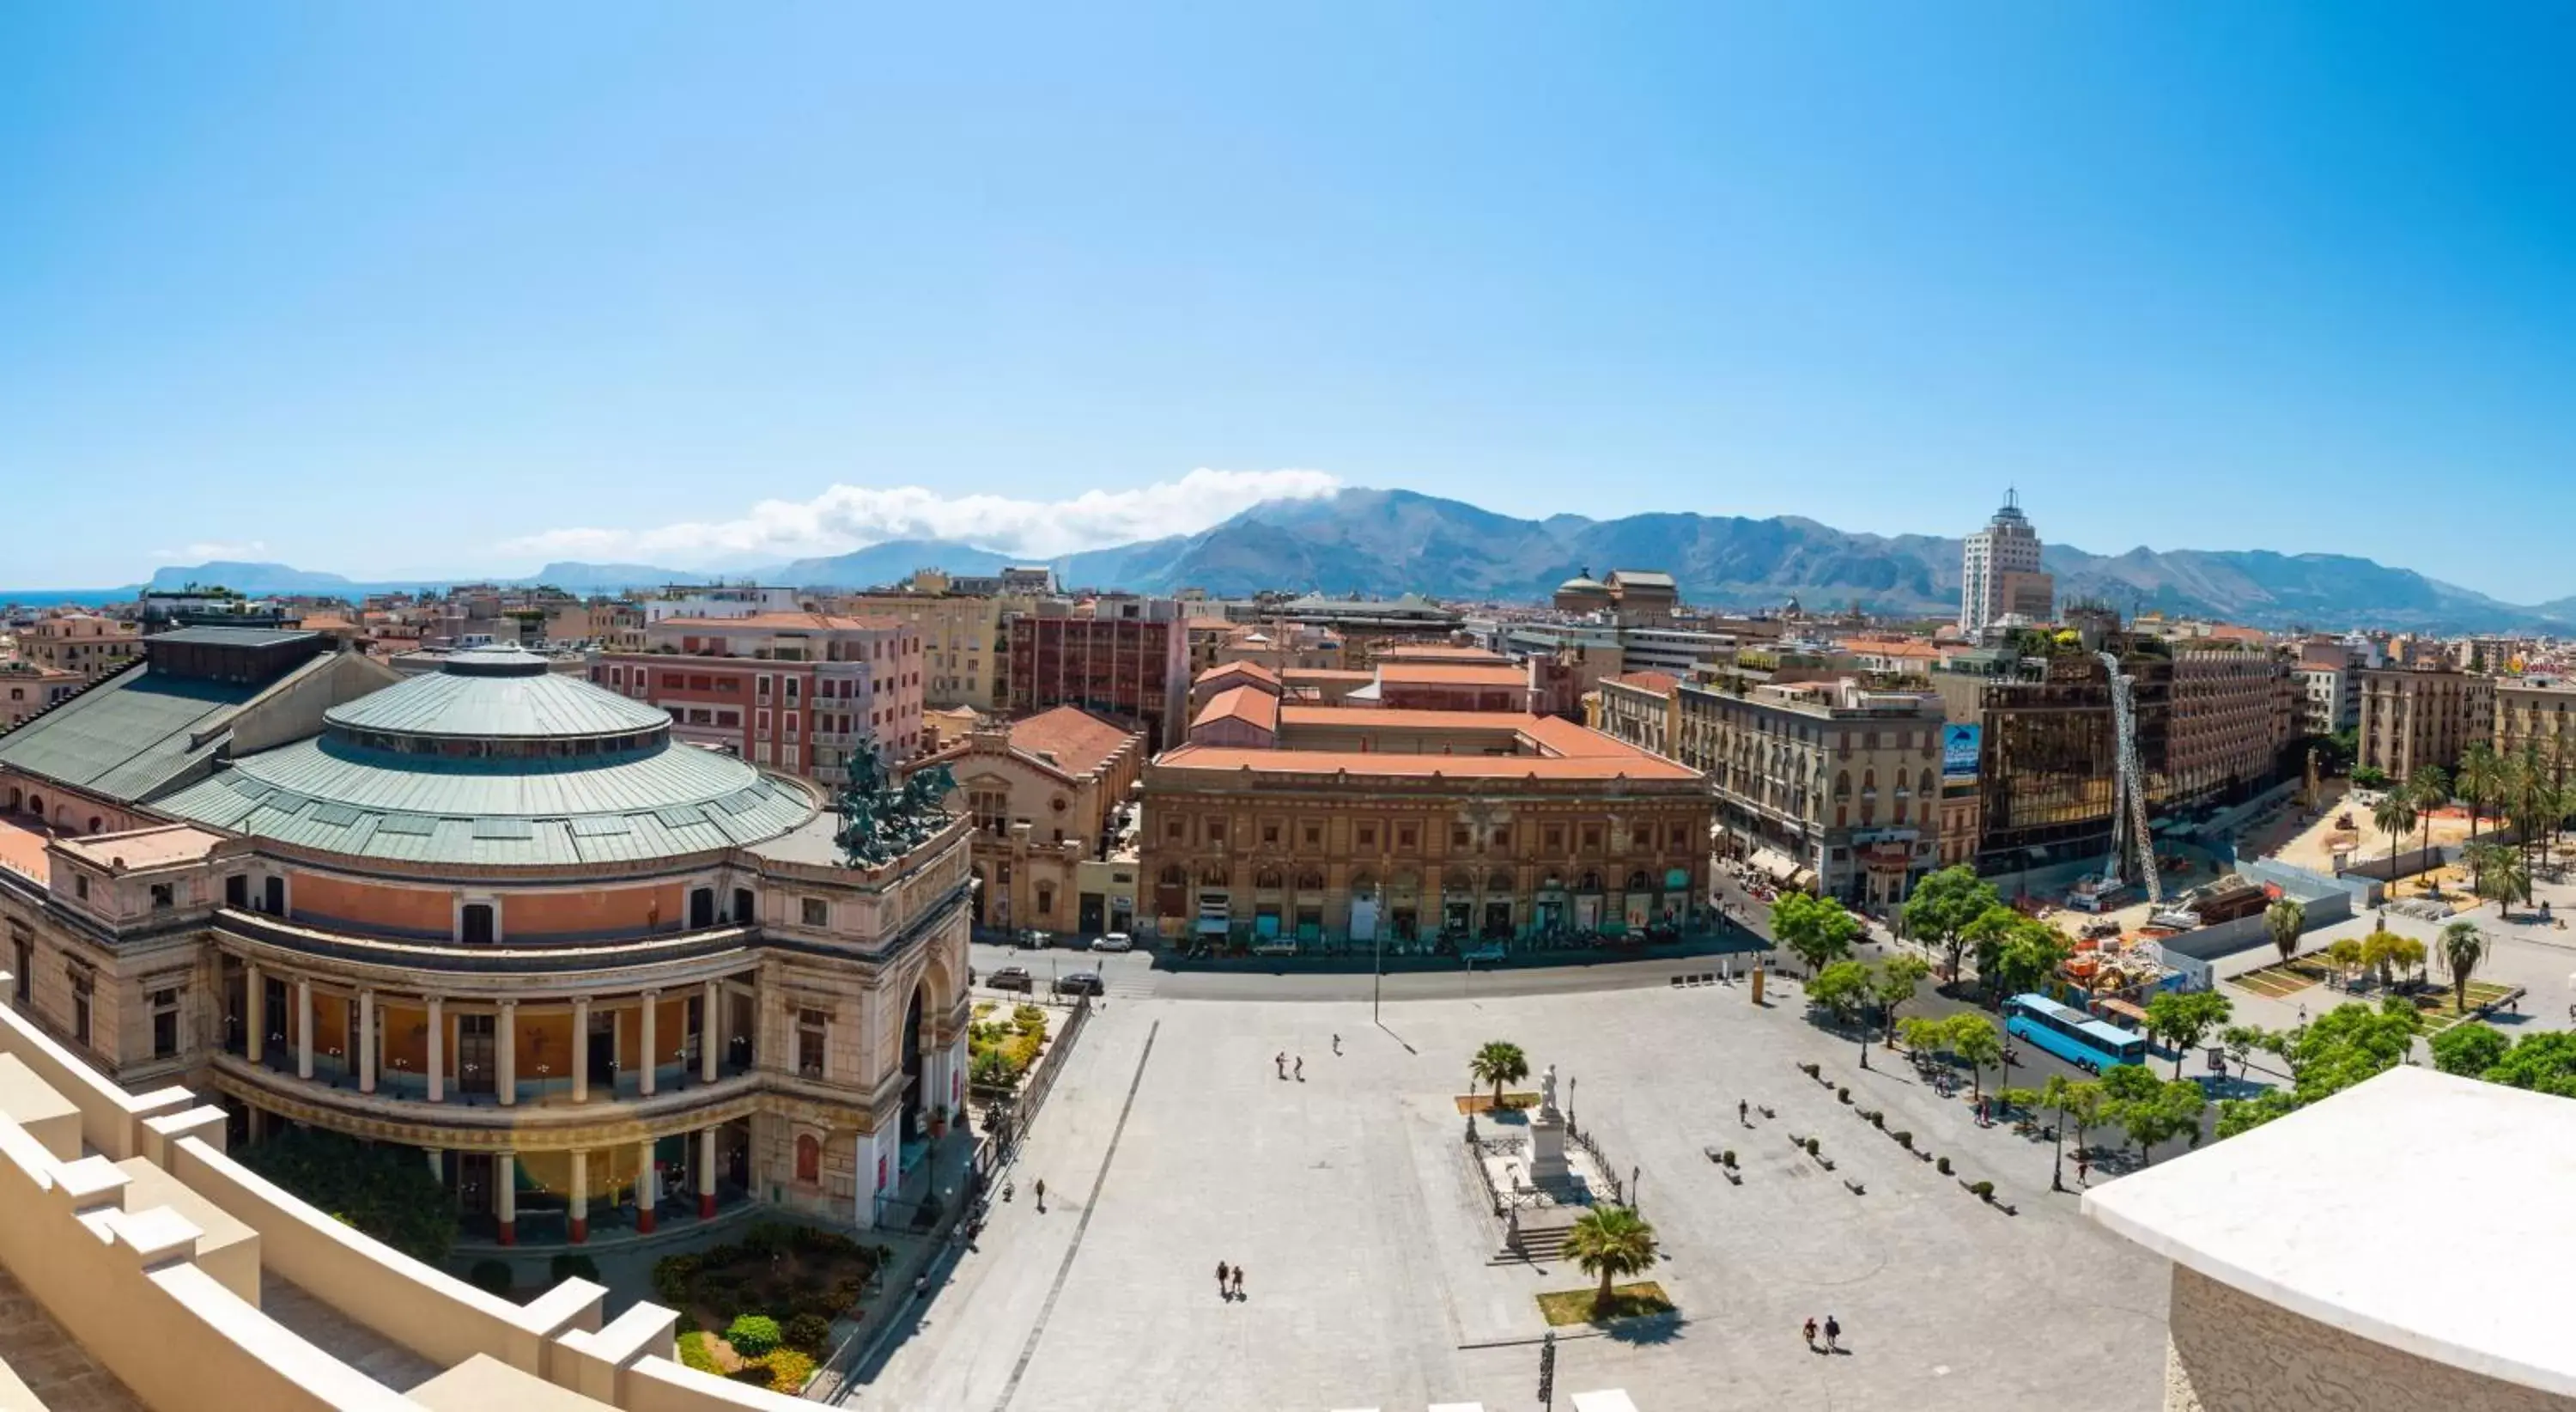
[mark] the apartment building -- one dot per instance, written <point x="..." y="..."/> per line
<point x="800" y="692"/>
<point x="85" y="644"/>
<point x="2413" y="717"/>
<point x="1131" y="670"/>
<point x="965" y="651"/>
<point x="2233" y="714"/>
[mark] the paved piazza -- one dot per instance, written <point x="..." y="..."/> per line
<point x="1172" y="1146"/>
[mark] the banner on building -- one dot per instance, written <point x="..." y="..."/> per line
<point x="1959" y="752"/>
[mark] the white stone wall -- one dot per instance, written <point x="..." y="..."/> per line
<point x="2232" y="1352"/>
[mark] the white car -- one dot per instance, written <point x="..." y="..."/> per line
<point x="1113" y="941"/>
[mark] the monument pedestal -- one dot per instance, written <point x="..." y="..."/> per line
<point x="1547" y="1149"/>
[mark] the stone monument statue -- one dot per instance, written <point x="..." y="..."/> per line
<point x="1547" y="1136"/>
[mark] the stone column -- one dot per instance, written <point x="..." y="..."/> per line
<point x="303" y="1027"/>
<point x="581" y="1050"/>
<point x="706" y="1174"/>
<point x="505" y="1059"/>
<point x="366" y="1041"/>
<point x="437" y="1162"/>
<point x="580" y="1207"/>
<point x="505" y="1194"/>
<point x="647" y="1190"/>
<point x="652" y="998"/>
<point x="437" y="1049"/>
<point x="255" y="1013"/>
<point x="710" y="1031"/>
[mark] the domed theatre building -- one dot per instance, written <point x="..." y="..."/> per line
<point x="593" y="974"/>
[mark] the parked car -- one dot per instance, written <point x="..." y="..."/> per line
<point x="1011" y="978"/>
<point x="1037" y="940"/>
<point x="1078" y="983"/>
<point x="1274" y="946"/>
<point x="1113" y="941"/>
<point x="1484" y="951"/>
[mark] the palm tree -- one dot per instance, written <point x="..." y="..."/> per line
<point x="2429" y="790"/>
<point x="2496" y="872"/>
<point x="1499" y="1063"/>
<point x="2482" y="775"/>
<point x="2395" y="816"/>
<point x="1611" y="1241"/>
<point x="2462" y="949"/>
<point x="2285" y="919"/>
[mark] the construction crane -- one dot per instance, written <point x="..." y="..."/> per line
<point x="2129" y="811"/>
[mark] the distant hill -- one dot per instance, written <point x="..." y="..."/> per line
<point x="892" y="562"/>
<point x="1386" y="542"/>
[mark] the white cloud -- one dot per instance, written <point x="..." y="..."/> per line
<point x="848" y="517"/>
<point x="205" y="550"/>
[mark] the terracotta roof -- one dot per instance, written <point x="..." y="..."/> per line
<point x="1076" y="740"/>
<point x="1439" y="652"/>
<point x="1651" y="683"/>
<point x="1891" y="647"/>
<point x="1450" y="674"/>
<point x="1213" y="625"/>
<point x="143" y="848"/>
<point x="788" y="622"/>
<point x="1323" y="675"/>
<point x="1633" y="765"/>
<point x="1242" y="703"/>
<point x="1254" y="670"/>
<point x="22" y="851"/>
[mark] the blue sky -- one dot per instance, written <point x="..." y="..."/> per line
<point x="393" y="290"/>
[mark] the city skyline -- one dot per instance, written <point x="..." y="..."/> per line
<point x="2183" y="283"/>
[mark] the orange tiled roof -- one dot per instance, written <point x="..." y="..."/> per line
<point x="1241" y="703"/>
<point x="1652" y="683"/>
<point x="1076" y="740"/>
<point x="22" y="851"/>
<point x="1450" y="674"/>
<point x="1440" y="652"/>
<point x="1254" y="670"/>
<point x="787" y="622"/>
<point x="1213" y="625"/>
<point x="1633" y="765"/>
<point x="1316" y="676"/>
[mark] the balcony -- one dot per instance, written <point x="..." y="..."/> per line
<point x="542" y="1103"/>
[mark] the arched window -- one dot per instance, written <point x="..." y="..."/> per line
<point x="1842" y="785"/>
<point x="1364" y="884"/>
<point x="1212" y="876"/>
<point x="1637" y="881"/>
<point x="1869" y="781"/>
<point x="1589" y="882"/>
<point x="93" y="823"/>
<point x="1046" y="901"/>
<point x="1267" y="880"/>
<point x="1173" y="876"/>
<point x="1499" y="880"/>
<point x="809" y="1159"/>
<point x="1310" y="880"/>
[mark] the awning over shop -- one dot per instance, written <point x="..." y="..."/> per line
<point x="1774" y="863"/>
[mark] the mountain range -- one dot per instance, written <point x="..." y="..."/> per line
<point x="1380" y="543"/>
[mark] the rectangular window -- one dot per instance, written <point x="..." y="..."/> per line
<point x="1314" y="836"/>
<point x="1269" y="833"/>
<point x="790" y="732"/>
<point x="80" y="1017"/>
<point x="809" y="1043"/>
<point x="764" y="688"/>
<point x="1407" y="836"/>
<point x="1368" y="835"/>
<point x="791" y="688"/>
<point x="165" y="1023"/>
<point x="816" y="911"/>
<point x="1459" y="837"/>
<point x="1502" y="837"/>
<point x="1216" y="830"/>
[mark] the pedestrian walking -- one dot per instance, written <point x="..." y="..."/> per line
<point x="2083" y="1169"/>
<point x="1811" y="1333"/>
<point x="1281" y="1059"/>
<point x="1833" y="1332"/>
<point x="1038" y="1188"/>
<point x="1301" y="1068"/>
<point x="1740" y="1107"/>
<point x="1337" y="1044"/>
<point x="1238" y="1282"/>
<point x="1221" y="1273"/>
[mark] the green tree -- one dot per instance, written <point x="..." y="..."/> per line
<point x="1975" y="1040"/>
<point x="1941" y="907"/>
<point x="1815" y="929"/>
<point x="2083" y="1105"/>
<point x="2241" y="1042"/>
<point x="2029" y="958"/>
<point x="2497" y="873"/>
<point x="2369" y="776"/>
<point x="2469" y="1050"/>
<point x="2462" y="949"/>
<point x="1611" y="1241"/>
<point x="1992" y="931"/>
<point x="1499" y="1063"/>
<point x="381" y="1189"/>
<point x="2346" y="1045"/>
<point x="1843" y="988"/>
<point x="2285" y="919"/>
<point x="2543" y="1063"/>
<point x="2181" y="1018"/>
<point x="2429" y="789"/>
<point x="2482" y="776"/>
<point x="2388" y="953"/>
<point x="1897" y="983"/>
<point x="2244" y="1115"/>
<point x="2394" y="815"/>
<point x="2345" y="953"/>
<point x="2149" y="1111"/>
<point x="1924" y="1035"/>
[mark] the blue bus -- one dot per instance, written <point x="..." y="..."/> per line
<point x="2072" y="1035"/>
